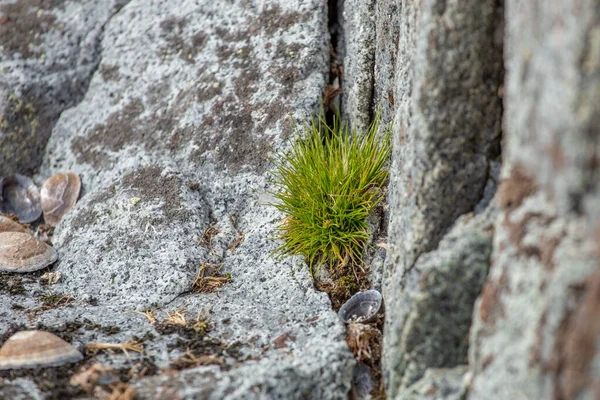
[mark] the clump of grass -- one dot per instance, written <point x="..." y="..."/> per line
<point x="327" y="184"/>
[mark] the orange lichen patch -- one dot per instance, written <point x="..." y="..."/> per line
<point x="517" y="230"/>
<point x="575" y="344"/>
<point x="282" y="340"/>
<point x="558" y="155"/>
<point x="535" y="354"/>
<point x="433" y="389"/>
<point x="597" y="238"/>
<point x="489" y="299"/>
<point x="515" y="189"/>
<point x="548" y="246"/>
<point x="487" y="361"/>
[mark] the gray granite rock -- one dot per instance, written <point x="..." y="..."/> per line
<point x="173" y="136"/>
<point x="48" y="53"/>
<point x="536" y="322"/>
<point x="447" y="127"/>
<point x="359" y="62"/>
<point x="446" y="130"/>
<point x="429" y="326"/>
<point x="389" y="17"/>
<point x="438" y="384"/>
<point x="19" y="389"/>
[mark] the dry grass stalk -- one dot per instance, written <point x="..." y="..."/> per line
<point x="148" y="314"/>
<point x="52" y="300"/>
<point x="240" y="235"/>
<point x="207" y="237"/>
<point x="189" y="360"/>
<point x="176" y="318"/>
<point x="364" y="341"/>
<point x="130" y="345"/>
<point x="209" y="278"/>
<point x="51" y="278"/>
<point x="122" y="391"/>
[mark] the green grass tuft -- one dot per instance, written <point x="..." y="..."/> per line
<point x="327" y="184"/>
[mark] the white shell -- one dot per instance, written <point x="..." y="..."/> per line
<point x="19" y="196"/>
<point x="59" y="195"/>
<point x="21" y="252"/>
<point x="30" y="349"/>
<point x="361" y="307"/>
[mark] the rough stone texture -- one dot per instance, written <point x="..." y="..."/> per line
<point x="388" y="28"/>
<point x="19" y="389"/>
<point x="359" y="42"/>
<point x="173" y="136"/>
<point x="428" y="328"/>
<point x="48" y="52"/>
<point x="447" y="127"/>
<point x="438" y="384"/>
<point x="553" y="128"/>
<point x="446" y="134"/>
<point x="537" y="321"/>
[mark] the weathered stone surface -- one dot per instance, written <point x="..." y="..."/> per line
<point x="446" y="131"/>
<point x="438" y="384"/>
<point x="551" y="95"/>
<point x="20" y="389"/>
<point x="429" y="326"/>
<point x="359" y="48"/>
<point x="48" y="52"/>
<point x="536" y="323"/>
<point x="447" y="127"/>
<point x="540" y="274"/>
<point x="172" y="137"/>
<point x="388" y="25"/>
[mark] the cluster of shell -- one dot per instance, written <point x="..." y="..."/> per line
<point x="20" y="250"/>
<point x="362" y="308"/>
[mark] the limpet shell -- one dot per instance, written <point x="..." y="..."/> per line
<point x="20" y="196"/>
<point x="361" y="307"/>
<point x="59" y="195"/>
<point x="8" y="225"/>
<point x="21" y="252"/>
<point x="29" y="349"/>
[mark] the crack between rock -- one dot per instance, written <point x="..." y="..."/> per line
<point x="98" y="50"/>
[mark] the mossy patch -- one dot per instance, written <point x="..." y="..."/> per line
<point x="327" y="184"/>
<point x="26" y="23"/>
<point x="24" y="136"/>
<point x="11" y="284"/>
